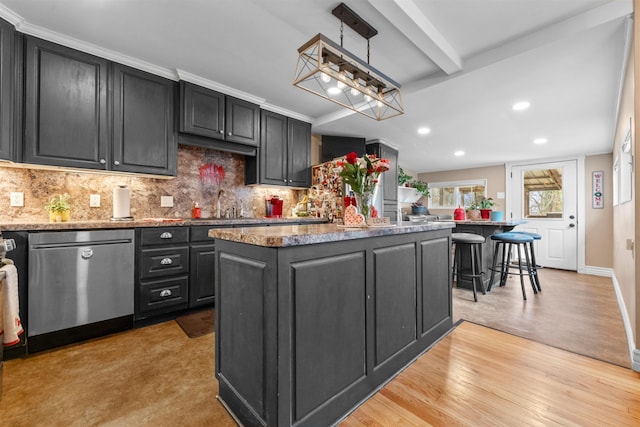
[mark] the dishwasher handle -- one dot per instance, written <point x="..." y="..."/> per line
<point x="76" y="244"/>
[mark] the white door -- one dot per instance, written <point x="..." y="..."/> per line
<point x="545" y="195"/>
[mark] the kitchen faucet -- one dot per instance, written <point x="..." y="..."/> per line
<point x="218" y="212"/>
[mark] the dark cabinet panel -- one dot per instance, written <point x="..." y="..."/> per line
<point x="144" y="138"/>
<point x="201" y="276"/>
<point x="435" y="283"/>
<point x="65" y="107"/>
<point x="7" y="91"/>
<point x="299" y="153"/>
<point x="201" y="111"/>
<point x="389" y="178"/>
<point x="284" y="158"/>
<point x="242" y="121"/>
<point x="273" y="149"/>
<point x="210" y="114"/>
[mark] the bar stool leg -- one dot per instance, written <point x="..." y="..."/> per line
<point x="473" y="271"/>
<point x="478" y="274"/>
<point x="534" y="266"/>
<point x="506" y="260"/>
<point x="530" y="270"/>
<point x="524" y="294"/>
<point x="496" y="249"/>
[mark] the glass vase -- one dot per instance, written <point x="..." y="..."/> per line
<point x="364" y="202"/>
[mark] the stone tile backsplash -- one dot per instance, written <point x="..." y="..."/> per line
<point x="40" y="184"/>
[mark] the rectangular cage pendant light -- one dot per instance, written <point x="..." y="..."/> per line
<point x="332" y="72"/>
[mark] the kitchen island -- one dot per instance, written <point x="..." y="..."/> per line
<point x="313" y="319"/>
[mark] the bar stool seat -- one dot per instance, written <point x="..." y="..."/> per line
<point x="534" y="265"/>
<point x="505" y="242"/>
<point x="474" y="242"/>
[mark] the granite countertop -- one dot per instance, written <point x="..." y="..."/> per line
<point x="147" y="222"/>
<point x="512" y="222"/>
<point x="297" y="235"/>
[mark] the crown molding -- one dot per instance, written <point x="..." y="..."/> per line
<point x="172" y="74"/>
<point x="288" y="113"/>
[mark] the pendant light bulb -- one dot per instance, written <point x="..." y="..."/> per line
<point x="325" y="77"/>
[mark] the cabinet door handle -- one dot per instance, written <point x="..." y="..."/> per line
<point x="103" y="161"/>
<point x="166" y="235"/>
<point x="117" y="163"/>
<point x="165" y="293"/>
<point x="166" y="261"/>
<point x="229" y="134"/>
<point x="222" y="131"/>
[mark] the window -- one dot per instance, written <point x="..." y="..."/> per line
<point x="450" y="195"/>
<point x="542" y="189"/>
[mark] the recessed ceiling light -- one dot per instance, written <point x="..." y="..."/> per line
<point x="334" y="90"/>
<point x="522" y="105"/>
<point x="459" y="153"/>
<point x="540" y="141"/>
<point x="424" y="131"/>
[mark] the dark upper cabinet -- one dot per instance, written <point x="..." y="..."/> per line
<point x="284" y="154"/>
<point x="205" y="112"/>
<point x="299" y="153"/>
<point x="7" y="91"/>
<point x="201" y="111"/>
<point x="144" y="139"/>
<point x="66" y="116"/>
<point x="86" y="112"/>
<point x="242" y="121"/>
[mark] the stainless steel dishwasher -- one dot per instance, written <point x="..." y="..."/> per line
<point x="78" y="278"/>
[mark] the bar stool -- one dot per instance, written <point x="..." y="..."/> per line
<point x="505" y="242"/>
<point x="534" y="265"/>
<point x="474" y="242"/>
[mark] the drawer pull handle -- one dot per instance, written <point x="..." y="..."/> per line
<point x="86" y="253"/>
<point x="166" y="261"/>
<point x="166" y="235"/>
<point x="165" y="293"/>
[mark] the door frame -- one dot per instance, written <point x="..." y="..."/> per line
<point x="580" y="199"/>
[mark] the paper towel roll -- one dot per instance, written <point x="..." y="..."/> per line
<point x="121" y="202"/>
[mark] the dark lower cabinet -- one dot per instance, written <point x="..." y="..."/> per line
<point x="202" y="267"/>
<point x="162" y="271"/>
<point x="305" y="333"/>
<point x="66" y="116"/>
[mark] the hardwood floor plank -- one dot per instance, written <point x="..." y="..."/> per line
<point x="481" y="376"/>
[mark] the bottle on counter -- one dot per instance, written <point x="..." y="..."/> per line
<point x="196" y="211"/>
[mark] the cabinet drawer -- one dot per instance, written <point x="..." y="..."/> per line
<point x="164" y="262"/>
<point x="164" y="235"/>
<point x="159" y="294"/>
<point x="200" y="233"/>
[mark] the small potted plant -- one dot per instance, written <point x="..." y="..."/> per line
<point x="417" y="208"/>
<point x="473" y="211"/>
<point x="421" y="186"/>
<point x="59" y="208"/>
<point x="403" y="178"/>
<point x="486" y="206"/>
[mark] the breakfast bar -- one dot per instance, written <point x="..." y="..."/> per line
<point x="313" y="319"/>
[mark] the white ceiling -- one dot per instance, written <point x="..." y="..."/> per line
<point x="461" y="64"/>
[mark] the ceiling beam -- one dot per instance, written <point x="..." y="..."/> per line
<point x="576" y="24"/>
<point x="410" y="21"/>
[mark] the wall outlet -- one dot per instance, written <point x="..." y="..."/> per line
<point x="166" y="201"/>
<point x="94" y="201"/>
<point x="17" y="198"/>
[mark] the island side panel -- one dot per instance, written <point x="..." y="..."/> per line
<point x="436" y="297"/>
<point x="328" y="328"/>
<point x="245" y="344"/>
<point x="395" y="288"/>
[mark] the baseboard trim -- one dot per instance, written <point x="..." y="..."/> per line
<point x="597" y="271"/>
<point x="634" y="353"/>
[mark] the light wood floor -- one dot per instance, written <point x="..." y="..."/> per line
<point x="477" y="376"/>
<point x="575" y="312"/>
<point x="157" y="376"/>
